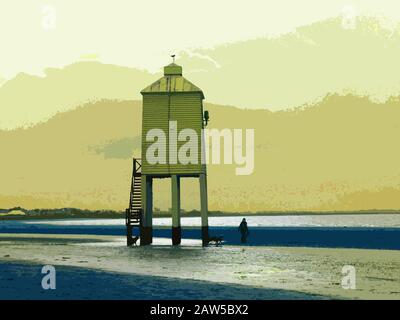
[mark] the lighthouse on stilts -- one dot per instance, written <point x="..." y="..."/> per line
<point x="172" y="108"/>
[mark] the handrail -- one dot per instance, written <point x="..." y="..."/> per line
<point x="133" y="214"/>
<point x="137" y="166"/>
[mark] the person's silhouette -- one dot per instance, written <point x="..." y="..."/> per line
<point x="244" y="231"/>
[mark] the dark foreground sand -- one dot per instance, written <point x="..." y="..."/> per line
<point x="23" y="281"/>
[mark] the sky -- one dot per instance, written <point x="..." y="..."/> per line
<point x="35" y="34"/>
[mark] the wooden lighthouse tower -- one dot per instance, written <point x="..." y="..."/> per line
<point x="171" y="105"/>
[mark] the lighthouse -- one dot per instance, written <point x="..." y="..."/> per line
<point x="173" y="120"/>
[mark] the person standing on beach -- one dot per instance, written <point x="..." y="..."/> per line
<point x="244" y="230"/>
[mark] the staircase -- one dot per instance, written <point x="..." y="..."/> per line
<point x="133" y="214"/>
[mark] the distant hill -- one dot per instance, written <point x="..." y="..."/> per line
<point x="28" y="99"/>
<point x="339" y="154"/>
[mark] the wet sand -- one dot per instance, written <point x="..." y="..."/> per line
<point x="22" y="281"/>
<point x="239" y="272"/>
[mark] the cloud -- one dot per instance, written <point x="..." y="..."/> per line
<point x="192" y="54"/>
<point x="134" y="33"/>
<point x="89" y="57"/>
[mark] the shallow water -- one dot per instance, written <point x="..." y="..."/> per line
<point x="330" y="231"/>
<point x="348" y="220"/>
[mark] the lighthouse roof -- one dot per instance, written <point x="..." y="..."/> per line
<point x="172" y="82"/>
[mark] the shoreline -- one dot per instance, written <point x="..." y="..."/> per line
<point x="61" y="216"/>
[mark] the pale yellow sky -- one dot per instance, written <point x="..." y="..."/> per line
<point x="35" y="34"/>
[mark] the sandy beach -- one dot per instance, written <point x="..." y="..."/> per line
<point x="160" y="271"/>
